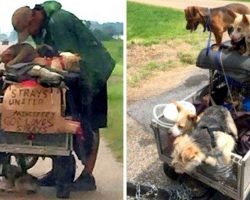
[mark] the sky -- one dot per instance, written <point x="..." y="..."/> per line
<point x="94" y="10"/>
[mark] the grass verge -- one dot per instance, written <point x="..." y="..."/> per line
<point x="114" y="132"/>
<point x="149" y="25"/>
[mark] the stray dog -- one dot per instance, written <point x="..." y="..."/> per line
<point x="186" y="120"/>
<point x="43" y="55"/>
<point x="215" y="132"/>
<point x="18" y="181"/>
<point x="241" y="30"/>
<point x="216" y="20"/>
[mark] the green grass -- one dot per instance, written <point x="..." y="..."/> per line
<point x="114" y="132"/>
<point x="151" y="24"/>
<point x="148" y="24"/>
<point x="186" y="58"/>
<point x="148" y="70"/>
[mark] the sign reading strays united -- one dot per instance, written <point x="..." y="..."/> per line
<point x="31" y="109"/>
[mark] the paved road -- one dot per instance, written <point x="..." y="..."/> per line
<point x="141" y="110"/>
<point x="108" y="174"/>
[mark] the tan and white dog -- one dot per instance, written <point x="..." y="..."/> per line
<point x="241" y="27"/>
<point x="186" y="119"/>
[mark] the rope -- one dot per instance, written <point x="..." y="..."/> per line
<point x="218" y="58"/>
<point x="175" y="192"/>
<point x="207" y="27"/>
<point x="211" y="87"/>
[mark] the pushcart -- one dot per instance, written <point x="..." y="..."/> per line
<point x="33" y="123"/>
<point x="240" y="187"/>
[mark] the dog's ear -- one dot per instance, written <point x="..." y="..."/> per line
<point x="186" y="11"/>
<point x="245" y="20"/>
<point x="189" y="154"/>
<point x="78" y="57"/>
<point x="193" y="11"/>
<point x="193" y="117"/>
<point x="200" y="12"/>
<point x="233" y="14"/>
<point x="178" y="106"/>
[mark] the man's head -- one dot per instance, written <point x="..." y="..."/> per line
<point x="27" y="21"/>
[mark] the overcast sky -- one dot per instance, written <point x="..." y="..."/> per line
<point x="94" y="10"/>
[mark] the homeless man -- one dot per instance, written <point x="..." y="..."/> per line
<point x="49" y="24"/>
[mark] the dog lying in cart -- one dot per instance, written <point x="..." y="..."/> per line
<point x="33" y="122"/>
<point x="219" y="104"/>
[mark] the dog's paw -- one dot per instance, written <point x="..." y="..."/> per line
<point x="227" y="160"/>
<point x="211" y="161"/>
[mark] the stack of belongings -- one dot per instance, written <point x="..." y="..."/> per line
<point x="230" y="87"/>
<point x="45" y="65"/>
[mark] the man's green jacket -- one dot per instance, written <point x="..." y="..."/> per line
<point x="65" y="32"/>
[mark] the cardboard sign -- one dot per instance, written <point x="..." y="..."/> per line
<point x="31" y="109"/>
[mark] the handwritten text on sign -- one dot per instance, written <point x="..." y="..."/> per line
<point x="31" y="110"/>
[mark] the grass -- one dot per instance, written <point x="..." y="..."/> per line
<point x="151" y="24"/>
<point x="148" y="70"/>
<point x="186" y="58"/>
<point x="114" y="132"/>
<point x="148" y="24"/>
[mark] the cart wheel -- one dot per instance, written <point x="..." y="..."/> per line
<point x="199" y="190"/>
<point x="26" y="161"/>
<point x="169" y="172"/>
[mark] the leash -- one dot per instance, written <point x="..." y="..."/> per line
<point x="207" y="27"/>
<point x="218" y="60"/>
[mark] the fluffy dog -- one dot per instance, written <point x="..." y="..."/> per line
<point x="215" y="132"/>
<point x="217" y="21"/>
<point x="241" y="30"/>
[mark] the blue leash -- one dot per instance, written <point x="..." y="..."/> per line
<point x="207" y="27"/>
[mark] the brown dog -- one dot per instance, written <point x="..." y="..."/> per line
<point x="217" y="20"/>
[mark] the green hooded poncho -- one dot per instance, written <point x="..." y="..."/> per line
<point x="65" y="32"/>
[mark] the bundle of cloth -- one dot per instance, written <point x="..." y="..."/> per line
<point x="44" y="64"/>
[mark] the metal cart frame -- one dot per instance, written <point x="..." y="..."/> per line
<point x="241" y="164"/>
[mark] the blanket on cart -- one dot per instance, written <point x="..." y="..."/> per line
<point x="44" y="75"/>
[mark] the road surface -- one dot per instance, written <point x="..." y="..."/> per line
<point x="108" y="174"/>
